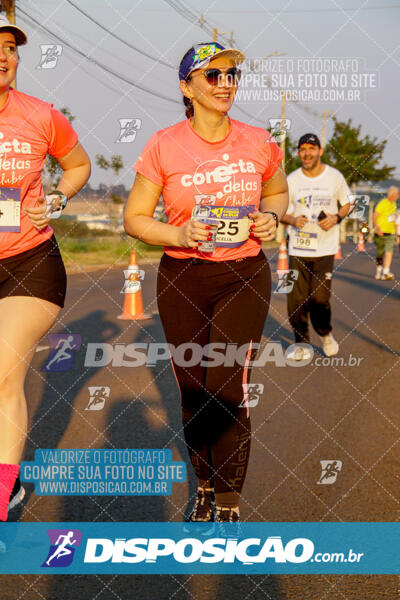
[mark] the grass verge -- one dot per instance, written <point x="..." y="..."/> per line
<point x="89" y="253"/>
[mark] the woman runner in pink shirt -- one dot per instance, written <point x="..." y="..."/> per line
<point x="32" y="274"/>
<point x="213" y="286"/>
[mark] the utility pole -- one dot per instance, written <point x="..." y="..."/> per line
<point x="8" y="6"/>
<point x="323" y="129"/>
<point x="325" y="114"/>
<point x="282" y="128"/>
<point x="216" y="32"/>
<point x="280" y="232"/>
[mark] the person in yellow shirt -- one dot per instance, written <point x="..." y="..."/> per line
<point x="385" y="232"/>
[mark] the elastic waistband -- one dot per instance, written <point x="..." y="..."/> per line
<point x="51" y="241"/>
<point x="202" y="261"/>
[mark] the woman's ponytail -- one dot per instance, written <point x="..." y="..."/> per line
<point x="188" y="107"/>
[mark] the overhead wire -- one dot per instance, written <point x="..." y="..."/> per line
<point x="113" y="72"/>
<point x="91" y="18"/>
<point x="197" y="19"/>
<point x="99" y="80"/>
<point x="118" y="57"/>
<point x="97" y="63"/>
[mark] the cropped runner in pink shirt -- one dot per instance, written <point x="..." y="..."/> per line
<point x="32" y="274"/>
<point x="224" y="194"/>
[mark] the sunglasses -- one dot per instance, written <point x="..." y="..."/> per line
<point x="214" y="76"/>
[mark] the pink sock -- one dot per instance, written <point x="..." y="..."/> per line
<point x="8" y="475"/>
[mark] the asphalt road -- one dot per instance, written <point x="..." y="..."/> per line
<point x="346" y="413"/>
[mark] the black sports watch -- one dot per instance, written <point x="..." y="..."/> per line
<point x="271" y="212"/>
<point x="339" y="218"/>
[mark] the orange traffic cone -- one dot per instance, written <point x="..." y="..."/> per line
<point x="133" y="302"/>
<point x="283" y="263"/>
<point x="338" y="255"/>
<point x="361" y="245"/>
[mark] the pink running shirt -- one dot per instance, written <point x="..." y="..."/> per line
<point x="191" y="169"/>
<point x="29" y="129"/>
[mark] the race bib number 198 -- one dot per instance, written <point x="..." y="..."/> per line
<point x="304" y="240"/>
<point x="10" y="209"/>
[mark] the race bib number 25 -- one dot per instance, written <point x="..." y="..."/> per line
<point x="234" y="224"/>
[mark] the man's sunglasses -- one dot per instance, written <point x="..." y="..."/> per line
<point x="214" y="76"/>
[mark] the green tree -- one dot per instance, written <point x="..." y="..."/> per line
<point x="115" y="164"/>
<point x="356" y="157"/>
<point x="292" y="161"/>
<point x="52" y="170"/>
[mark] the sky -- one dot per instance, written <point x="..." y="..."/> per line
<point x="363" y="33"/>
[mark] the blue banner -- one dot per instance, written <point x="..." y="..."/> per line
<point x="173" y="548"/>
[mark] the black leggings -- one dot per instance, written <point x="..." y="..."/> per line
<point x="207" y="302"/>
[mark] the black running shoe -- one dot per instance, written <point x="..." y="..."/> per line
<point x="203" y="512"/>
<point x="204" y="506"/>
<point x="228" y="523"/>
<point x="17" y="494"/>
<point x="227" y="515"/>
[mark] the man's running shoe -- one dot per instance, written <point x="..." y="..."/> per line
<point x="388" y="275"/>
<point x="17" y="494"/>
<point x="378" y="274"/>
<point x="203" y="510"/>
<point x="329" y="345"/>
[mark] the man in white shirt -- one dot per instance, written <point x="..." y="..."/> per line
<point x="318" y="201"/>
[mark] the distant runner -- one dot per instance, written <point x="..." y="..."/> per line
<point x="384" y="219"/>
<point x="316" y="191"/>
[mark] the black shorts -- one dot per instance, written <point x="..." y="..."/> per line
<point x="38" y="272"/>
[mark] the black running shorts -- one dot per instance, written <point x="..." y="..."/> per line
<point x="38" y="272"/>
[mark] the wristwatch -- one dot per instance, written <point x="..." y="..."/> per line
<point x="56" y="201"/>
<point x="271" y="212"/>
<point x="339" y="218"/>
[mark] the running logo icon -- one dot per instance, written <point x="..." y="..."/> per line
<point x="279" y="128"/>
<point x="210" y="199"/>
<point x="62" y="547"/>
<point x="50" y="55"/>
<point x="286" y="281"/>
<point x="133" y="277"/>
<point x="252" y="393"/>
<point x="330" y="471"/>
<point x="62" y="351"/>
<point x="359" y="204"/>
<point x="128" y="130"/>
<point x="98" y="397"/>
